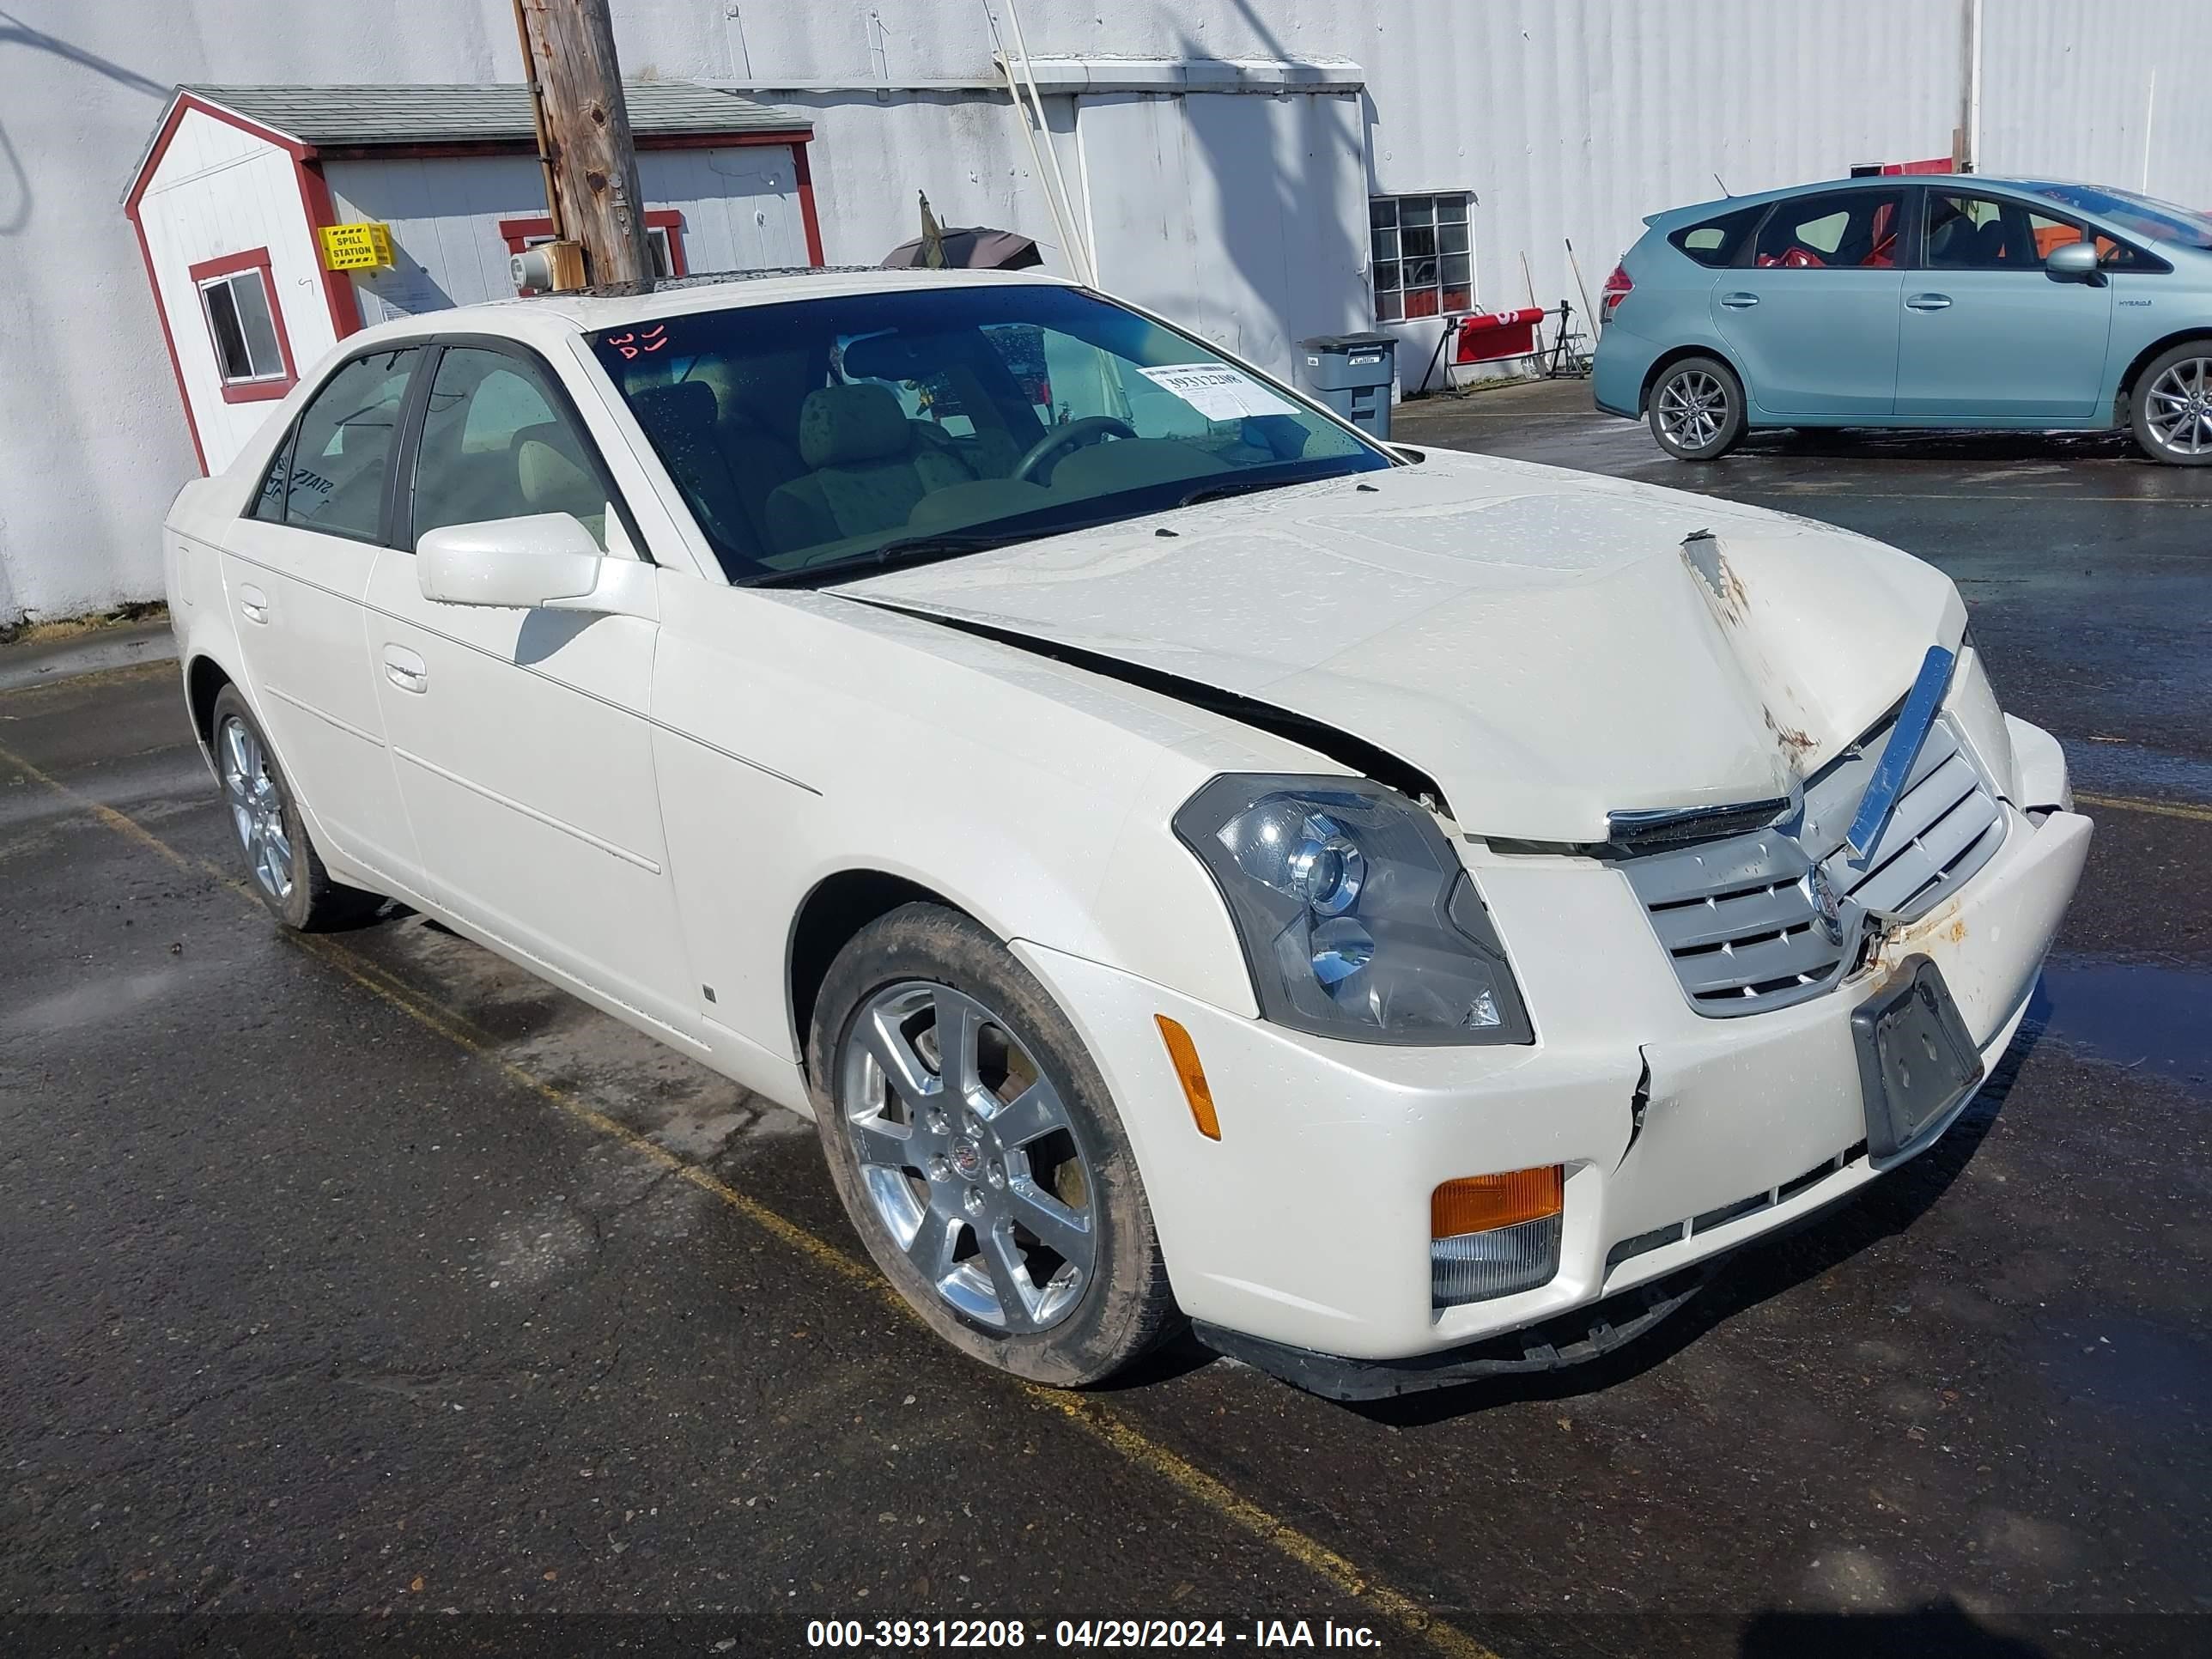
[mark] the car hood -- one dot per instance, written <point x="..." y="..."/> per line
<point x="1549" y="646"/>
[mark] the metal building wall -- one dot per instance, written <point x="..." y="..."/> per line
<point x="2082" y="89"/>
<point x="1570" y="118"/>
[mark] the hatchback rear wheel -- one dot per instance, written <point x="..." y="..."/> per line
<point x="2171" y="408"/>
<point x="1696" y="409"/>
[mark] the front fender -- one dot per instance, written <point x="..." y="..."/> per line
<point x="799" y="736"/>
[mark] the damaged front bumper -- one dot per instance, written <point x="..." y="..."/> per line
<point x="1306" y="1226"/>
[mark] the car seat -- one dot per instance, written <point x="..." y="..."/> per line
<point x="870" y="464"/>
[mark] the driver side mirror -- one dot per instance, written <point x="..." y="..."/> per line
<point x="2073" y="262"/>
<point x="522" y="562"/>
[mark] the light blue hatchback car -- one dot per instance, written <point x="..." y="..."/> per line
<point x="1944" y="301"/>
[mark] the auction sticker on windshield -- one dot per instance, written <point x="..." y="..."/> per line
<point x="1217" y="390"/>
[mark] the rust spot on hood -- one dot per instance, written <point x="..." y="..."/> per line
<point x="1796" y="743"/>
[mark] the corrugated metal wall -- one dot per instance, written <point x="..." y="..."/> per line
<point x="1570" y="118"/>
<point x="2067" y="91"/>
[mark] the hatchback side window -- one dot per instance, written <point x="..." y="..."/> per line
<point x="1856" y="227"/>
<point x="1717" y="241"/>
<point x="2049" y="233"/>
<point x="343" y="445"/>
<point x="496" y="444"/>
<point x="1977" y="233"/>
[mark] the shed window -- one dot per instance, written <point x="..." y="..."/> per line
<point x="243" y="322"/>
<point x="1422" y="255"/>
<point x="246" y="328"/>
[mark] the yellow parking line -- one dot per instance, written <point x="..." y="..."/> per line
<point x="2164" y="809"/>
<point x="1100" y="1421"/>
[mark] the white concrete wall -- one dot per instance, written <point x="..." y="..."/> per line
<point x="1571" y="118"/>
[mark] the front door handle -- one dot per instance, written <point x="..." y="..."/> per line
<point x="405" y="669"/>
<point x="1930" y="302"/>
<point x="253" y="603"/>
<point x="1739" y="301"/>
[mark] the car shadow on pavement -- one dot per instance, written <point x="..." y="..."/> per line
<point x="1755" y="1272"/>
<point x="1987" y="447"/>
<point x="1942" y="1628"/>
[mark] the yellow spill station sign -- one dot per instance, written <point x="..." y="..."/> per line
<point x="356" y="247"/>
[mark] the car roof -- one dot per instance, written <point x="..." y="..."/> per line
<point x="587" y="311"/>
<point x="1673" y="216"/>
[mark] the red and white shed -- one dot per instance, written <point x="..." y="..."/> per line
<point x="238" y="184"/>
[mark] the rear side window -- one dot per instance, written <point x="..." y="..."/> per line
<point x="1717" y="241"/>
<point x="1840" y="229"/>
<point x="340" y="448"/>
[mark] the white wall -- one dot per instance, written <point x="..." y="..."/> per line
<point x="2067" y="91"/>
<point x="1570" y="118"/>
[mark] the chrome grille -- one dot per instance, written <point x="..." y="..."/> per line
<point x="1737" y="916"/>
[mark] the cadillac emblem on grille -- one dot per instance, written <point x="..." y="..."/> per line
<point x="1827" y="905"/>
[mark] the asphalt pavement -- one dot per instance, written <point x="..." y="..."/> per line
<point x="365" y="1293"/>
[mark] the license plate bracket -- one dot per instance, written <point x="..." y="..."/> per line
<point x="1916" y="1059"/>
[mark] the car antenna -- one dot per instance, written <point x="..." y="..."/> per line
<point x="1725" y="191"/>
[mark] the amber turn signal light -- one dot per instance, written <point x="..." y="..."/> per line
<point x="1182" y="1054"/>
<point x="1481" y="1204"/>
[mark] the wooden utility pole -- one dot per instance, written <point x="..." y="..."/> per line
<point x="584" y="143"/>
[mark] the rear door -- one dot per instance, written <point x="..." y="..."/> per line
<point x="1812" y="320"/>
<point x="1988" y="332"/>
<point x="295" y="569"/>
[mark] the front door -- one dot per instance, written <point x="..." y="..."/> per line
<point x="295" y="570"/>
<point x="1813" y="321"/>
<point x="1988" y="332"/>
<point x="521" y="737"/>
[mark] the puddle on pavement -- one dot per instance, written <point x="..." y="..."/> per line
<point x="2130" y="768"/>
<point x="87" y="1004"/>
<point x="2151" y="1017"/>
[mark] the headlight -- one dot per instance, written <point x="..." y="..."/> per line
<point x="1356" y="916"/>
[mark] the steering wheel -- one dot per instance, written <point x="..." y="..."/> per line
<point x="1090" y="429"/>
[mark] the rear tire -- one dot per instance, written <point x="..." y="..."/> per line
<point x="2171" y="407"/>
<point x="1008" y="1185"/>
<point x="1696" y="409"/>
<point x="283" y="868"/>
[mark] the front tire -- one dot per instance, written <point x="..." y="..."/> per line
<point x="1696" y="409"/>
<point x="283" y="868"/>
<point x="976" y="1150"/>
<point x="2171" y="407"/>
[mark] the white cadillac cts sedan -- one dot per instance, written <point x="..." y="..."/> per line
<point x="1401" y="914"/>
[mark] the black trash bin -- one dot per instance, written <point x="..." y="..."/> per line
<point x="1352" y="374"/>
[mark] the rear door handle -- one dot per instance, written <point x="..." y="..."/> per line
<point x="1929" y="302"/>
<point x="253" y="603"/>
<point x="405" y="669"/>
<point x="1739" y="301"/>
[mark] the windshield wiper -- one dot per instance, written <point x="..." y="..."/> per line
<point x="1216" y="492"/>
<point x="907" y="550"/>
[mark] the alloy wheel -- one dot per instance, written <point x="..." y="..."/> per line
<point x="969" y="1157"/>
<point x="2178" y="409"/>
<point x="256" y="800"/>
<point x="1693" y="408"/>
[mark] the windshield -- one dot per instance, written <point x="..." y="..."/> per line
<point x="2158" y="221"/>
<point x="822" y="436"/>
